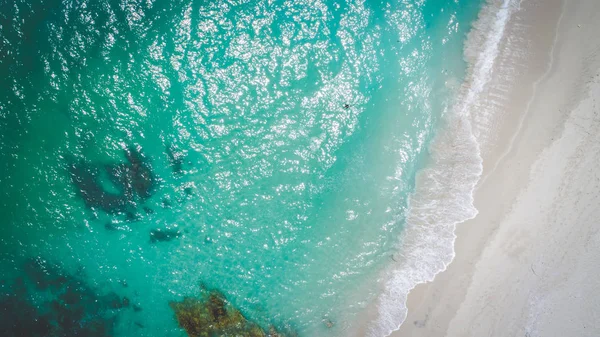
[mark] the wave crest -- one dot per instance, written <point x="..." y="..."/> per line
<point x="444" y="189"/>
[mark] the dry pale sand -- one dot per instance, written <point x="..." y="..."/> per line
<point x="529" y="263"/>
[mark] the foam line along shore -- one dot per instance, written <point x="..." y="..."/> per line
<point x="524" y="263"/>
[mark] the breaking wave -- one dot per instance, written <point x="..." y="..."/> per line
<point x="444" y="190"/>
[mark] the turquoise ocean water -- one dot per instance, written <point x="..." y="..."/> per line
<point x="264" y="149"/>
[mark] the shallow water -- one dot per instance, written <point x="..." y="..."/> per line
<point x="264" y="149"/>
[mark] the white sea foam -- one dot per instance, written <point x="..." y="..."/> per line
<point x="444" y="190"/>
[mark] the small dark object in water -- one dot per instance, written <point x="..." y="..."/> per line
<point x="124" y="283"/>
<point x="148" y="210"/>
<point x="346" y="106"/>
<point x="109" y="226"/>
<point x="126" y="302"/>
<point x="166" y="203"/>
<point x="137" y="308"/>
<point x="131" y="216"/>
<point x="139" y="325"/>
<point x="163" y="235"/>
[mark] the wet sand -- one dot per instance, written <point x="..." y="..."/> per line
<point x="528" y="263"/>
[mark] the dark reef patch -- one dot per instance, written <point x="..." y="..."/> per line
<point x="51" y="302"/>
<point x="86" y="178"/>
<point x="166" y="203"/>
<point x="134" y="181"/>
<point x="139" y="174"/>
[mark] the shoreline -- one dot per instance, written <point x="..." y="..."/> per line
<point x="539" y="93"/>
<point x="443" y="197"/>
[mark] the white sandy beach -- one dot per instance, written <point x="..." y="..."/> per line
<point x="529" y="263"/>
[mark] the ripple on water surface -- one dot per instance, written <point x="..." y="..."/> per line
<point x="167" y="164"/>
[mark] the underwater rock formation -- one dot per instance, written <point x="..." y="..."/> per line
<point x="49" y="302"/>
<point x="21" y="318"/>
<point x="141" y="179"/>
<point x="133" y="179"/>
<point x="163" y="235"/>
<point x="210" y="315"/>
<point x="86" y="178"/>
<point x="166" y="203"/>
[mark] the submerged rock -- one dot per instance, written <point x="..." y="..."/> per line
<point x="49" y="301"/>
<point x="141" y="179"/>
<point x="166" y="203"/>
<point x="163" y="235"/>
<point x="109" y="226"/>
<point x="211" y="315"/>
<point x="86" y="179"/>
<point x="21" y="318"/>
<point x="133" y="180"/>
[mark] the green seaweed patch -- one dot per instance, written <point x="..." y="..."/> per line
<point x="211" y="315"/>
